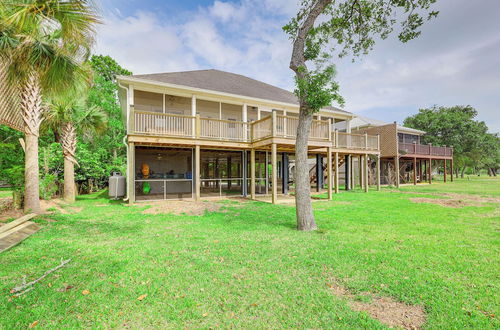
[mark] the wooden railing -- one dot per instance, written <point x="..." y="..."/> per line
<point x="262" y="128"/>
<point x="151" y="123"/>
<point x="164" y="124"/>
<point x="219" y="129"/>
<point x="425" y="149"/>
<point x="287" y="127"/>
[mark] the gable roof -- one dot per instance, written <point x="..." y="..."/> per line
<point x="227" y="82"/>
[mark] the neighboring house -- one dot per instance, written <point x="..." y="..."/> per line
<point x="402" y="152"/>
<point x="212" y="133"/>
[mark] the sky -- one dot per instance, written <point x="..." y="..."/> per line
<point x="456" y="60"/>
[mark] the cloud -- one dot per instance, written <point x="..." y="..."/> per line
<point x="454" y="61"/>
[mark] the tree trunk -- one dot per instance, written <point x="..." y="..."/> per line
<point x="31" y="176"/>
<point x="305" y="216"/>
<point x="68" y="139"/>
<point x="31" y="107"/>
<point x="69" y="180"/>
<point x="463" y="172"/>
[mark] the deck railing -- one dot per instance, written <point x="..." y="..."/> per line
<point x="219" y="129"/>
<point x="151" y="123"/>
<point x="262" y="128"/>
<point x="425" y="149"/>
<point x="164" y="124"/>
<point x="287" y="127"/>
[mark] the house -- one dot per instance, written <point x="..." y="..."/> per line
<point x="209" y="133"/>
<point x="402" y="152"/>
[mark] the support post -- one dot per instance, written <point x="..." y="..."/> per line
<point x="197" y="172"/>
<point x="365" y="163"/>
<point x="378" y="172"/>
<point x="131" y="173"/>
<point x="347" y="172"/>
<point x="252" y="173"/>
<point x="444" y="169"/>
<point x="244" y="176"/>
<point x="336" y="172"/>
<point x="360" y="163"/>
<point x="414" y="170"/>
<point x="451" y="169"/>
<point x="319" y="172"/>
<point x="396" y="164"/>
<point x="244" y="116"/>
<point x="274" y="173"/>
<point x="197" y="126"/>
<point x="285" y="174"/>
<point x="329" y="172"/>
<point x="430" y="170"/>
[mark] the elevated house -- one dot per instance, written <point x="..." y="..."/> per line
<point x="209" y="133"/>
<point x="404" y="158"/>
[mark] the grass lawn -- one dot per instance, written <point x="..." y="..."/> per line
<point x="246" y="266"/>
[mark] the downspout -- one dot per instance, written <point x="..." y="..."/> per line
<point x="125" y="137"/>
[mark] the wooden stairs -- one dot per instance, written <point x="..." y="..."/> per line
<point x="312" y="171"/>
<point x="16" y="231"/>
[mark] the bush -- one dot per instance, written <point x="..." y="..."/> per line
<point x="48" y="186"/>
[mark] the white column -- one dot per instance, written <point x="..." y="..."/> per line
<point x="348" y="126"/>
<point x="245" y="119"/>
<point x="130" y="106"/>
<point x="193" y="113"/>
<point x="258" y="113"/>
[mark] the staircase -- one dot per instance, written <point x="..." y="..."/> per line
<point x="312" y="171"/>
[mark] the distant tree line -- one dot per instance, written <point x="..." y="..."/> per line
<point x="475" y="148"/>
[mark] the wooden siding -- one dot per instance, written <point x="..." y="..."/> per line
<point x="388" y="138"/>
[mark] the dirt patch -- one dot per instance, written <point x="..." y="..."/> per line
<point x="57" y="204"/>
<point x="385" y="309"/>
<point x="187" y="207"/>
<point x="454" y="200"/>
<point x="443" y="202"/>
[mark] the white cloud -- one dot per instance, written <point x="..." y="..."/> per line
<point x="449" y="64"/>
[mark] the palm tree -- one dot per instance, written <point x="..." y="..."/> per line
<point x="68" y="117"/>
<point x="43" y="42"/>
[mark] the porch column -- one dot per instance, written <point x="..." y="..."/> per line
<point x="252" y="173"/>
<point x="451" y="169"/>
<point x="346" y="172"/>
<point x="365" y="163"/>
<point x="285" y="174"/>
<point x="274" y="172"/>
<point x="396" y="164"/>
<point x="378" y="172"/>
<point x="336" y="172"/>
<point x="244" y="169"/>
<point x="329" y="171"/>
<point x="430" y="170"/>
<point x="415" y="170"/>
<point x="319" y="172"/>
<point x="244" y="115"/>
<point x="229" y="172"/>
<point x="131" y="173"/>
<point x="360" y="161"/>
<point x="193" y="113"/>
<point x="444" y="177"/>
<point x="197" y="172"/>
<point x="352" y="183"/>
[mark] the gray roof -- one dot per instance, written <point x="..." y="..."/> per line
<point x="361" y="122"/>
<point x="227" y="82"/>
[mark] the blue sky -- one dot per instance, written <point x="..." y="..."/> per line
<point x="455" y="61"/>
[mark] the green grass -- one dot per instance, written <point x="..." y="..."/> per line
<point x="5" y="192"/>
<point x="248" y="267"/>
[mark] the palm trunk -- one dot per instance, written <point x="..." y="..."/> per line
<point x="31" y="176"/>
<point x="68" y="142"/>
<point x="69" y="180"/>
<point x="31" y="107"/>
<point x="305" y="215"/>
